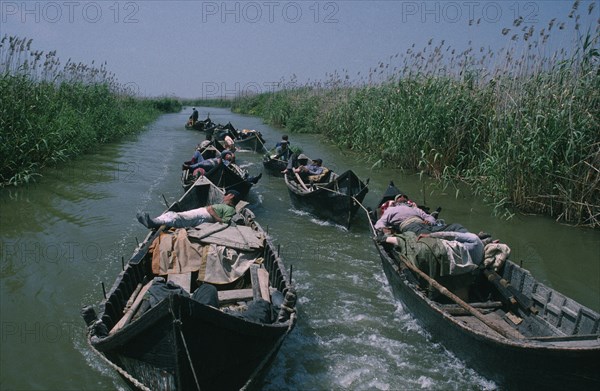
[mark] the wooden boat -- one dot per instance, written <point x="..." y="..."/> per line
<point x="201" y="125"/>
<point x="546" y="341"/>
<point x="249" y="140"/>
<point x="228" y="177"/>
<point x="335" y="197"/>
<point x="180" y="343"/>
<point x="274" y="166"/>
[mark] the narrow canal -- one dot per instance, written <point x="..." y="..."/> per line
<point x="65" y="236"/>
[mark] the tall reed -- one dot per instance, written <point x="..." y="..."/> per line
<point x="52" y="112"/>
<point x="520" y="125"/>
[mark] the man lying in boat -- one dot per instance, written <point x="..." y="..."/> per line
<point x="220" y="213"/>
<point x="455" y="252"/>
<point x="405" y="216"/>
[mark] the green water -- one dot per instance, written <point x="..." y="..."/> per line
<point x="65" y="236"/>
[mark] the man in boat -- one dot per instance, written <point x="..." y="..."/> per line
<point x="315" y="168"/>
<point x="284" y="139"/>
<point x="220" y="213"/>
<point x="404" y="216"/>
<point x="226" y="158"/>
<point x="294" y="161"/>
<point x="282" y="152"/>
<point x="194" y="116"/>
<point x="228" y="143"/>
<point x="440" y="253"/>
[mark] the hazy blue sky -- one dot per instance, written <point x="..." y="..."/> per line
<point x="213" y="48"/>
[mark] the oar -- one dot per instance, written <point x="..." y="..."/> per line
<point x="260" y="141"/>
<point x="300" y="181"/>
<point x="444" y="291"/>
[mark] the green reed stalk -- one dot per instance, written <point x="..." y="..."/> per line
<point x="521" y="127"/>
<point x="52" y="113"/>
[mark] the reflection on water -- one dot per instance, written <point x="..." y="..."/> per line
<point x="65" y="236"/>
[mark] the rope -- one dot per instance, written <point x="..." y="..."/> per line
<point x="117" y="368"/>
<point x="187" y="352"/>
<point x="177" y="322"/>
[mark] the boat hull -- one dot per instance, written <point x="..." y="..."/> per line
<point x="337" y="201"/>
<point x="186" y="335"/>
<point x="182" y="344"/>
<point x="251" y="143"/>
<point x="524" y="364"/>
<point x="274" y="166"/>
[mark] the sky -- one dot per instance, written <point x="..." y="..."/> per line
<point x="210" y="49"/>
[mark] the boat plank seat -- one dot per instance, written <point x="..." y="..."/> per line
<point x="184" y="280"/>
<point x="235" y="295"/>
<point x="484" y="307"/>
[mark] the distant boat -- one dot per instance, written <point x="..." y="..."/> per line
<point x="249" y="140"/>
<point x="508" y="326"/>
<point x="334" y="197"/>
<point x="201" y="125"/>
<point x="179" y="343"/>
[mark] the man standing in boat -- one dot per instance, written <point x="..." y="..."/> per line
<point x="220" y="213"/>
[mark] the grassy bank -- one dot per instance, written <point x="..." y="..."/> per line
<point x="522" y="128"/>
<point x="53" y="112"/>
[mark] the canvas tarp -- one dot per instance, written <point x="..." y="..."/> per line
<point x="174" y="252"/>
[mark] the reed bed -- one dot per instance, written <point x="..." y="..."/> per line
<point x="53" y="112"/>
<point x="520" y="125"/>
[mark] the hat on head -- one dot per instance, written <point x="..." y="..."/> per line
<point x="302" y="157"/>
<point x="399" y="195"/>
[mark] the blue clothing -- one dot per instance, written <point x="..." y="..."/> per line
<point x="197" y="158"/>
<point x="314" y="169"/>
<point x="283" y="154"/>
<point x="207" y="164"/>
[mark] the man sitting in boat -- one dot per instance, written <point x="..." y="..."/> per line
<point x="294" y="161"/>
<point x="314" y="172"/>
<point x="404" y="216"/>
<point x="282" y="152"/>
<point x="220" y="213"/>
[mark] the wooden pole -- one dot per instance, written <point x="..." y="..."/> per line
<point x="444" y="291"/>
<point x="300" y="181"/>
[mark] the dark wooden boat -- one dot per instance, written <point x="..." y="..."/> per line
<point x="248" y="140"/>
<point x="274" y="166"/>
<point x="336" y="197"/>
<point x="201" y="125"/>
<point x="228" y="177"/>
<point x="251" y="141"/>
<point x="180" y="343"/>
<point x="550" y="343"/>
